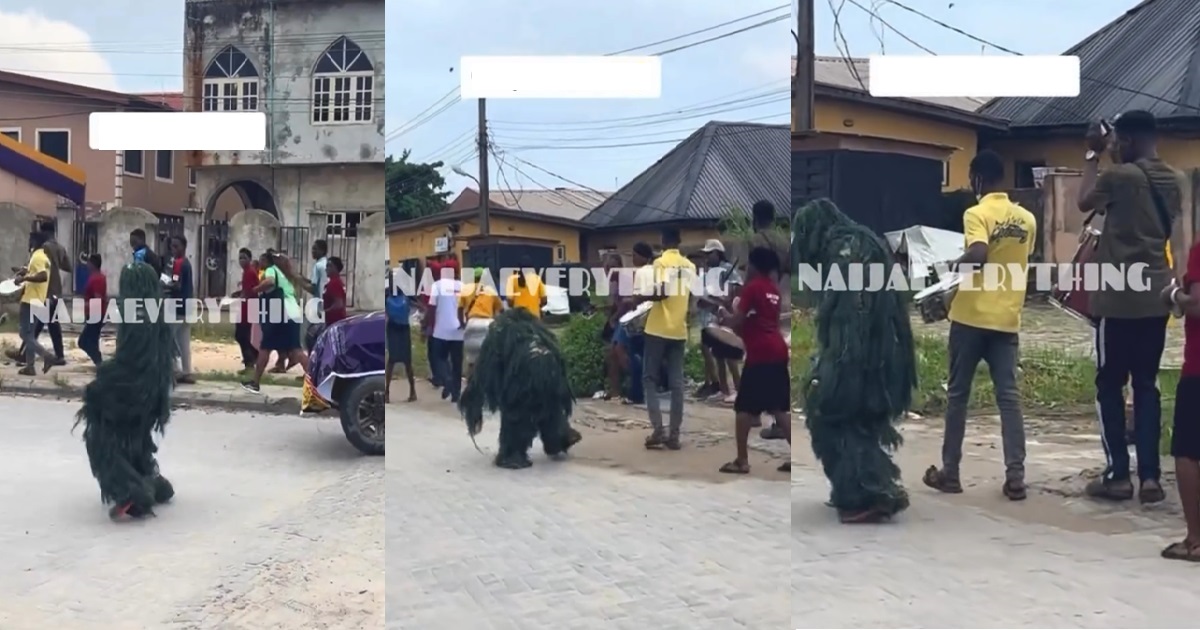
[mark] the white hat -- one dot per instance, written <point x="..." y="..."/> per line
<point x="713" y="245"/>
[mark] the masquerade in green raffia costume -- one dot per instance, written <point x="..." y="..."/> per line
<point x="522" y="374"/>
<point x="129" y="401"/>
<point x="864" y="371"/>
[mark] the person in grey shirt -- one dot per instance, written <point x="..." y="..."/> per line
<point x="1140" y="198"/>
<point x="59" y="260"/>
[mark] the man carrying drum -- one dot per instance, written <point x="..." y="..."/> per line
<point x="1140" y="197"/>
<point x="722" y="349"/>
<point x="985" y="321"/>
<point x="478" y="306"/>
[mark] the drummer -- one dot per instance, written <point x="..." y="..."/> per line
<point x="633" y="345"/>
<point x="478" y="302"/>
<point x="720" y="358"/>
<point x="984" y="324"/>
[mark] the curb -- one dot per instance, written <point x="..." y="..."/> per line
<point x="184" y="399"/>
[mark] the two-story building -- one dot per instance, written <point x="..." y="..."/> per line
<point x="317" y="71"/>
<point x="47" y="121"/>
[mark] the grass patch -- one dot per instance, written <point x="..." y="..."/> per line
<point x="287" y="380"/>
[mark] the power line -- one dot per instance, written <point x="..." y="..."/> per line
<point x="843" y="47"/>
<point x="720" y="37"/>
<point x="699" y="32"/>
<point x="644" y="134"/>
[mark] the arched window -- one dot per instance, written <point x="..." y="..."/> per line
<point x="230" y="83"/>
<point x="343" y="86"/>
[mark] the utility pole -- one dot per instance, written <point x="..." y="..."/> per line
<point x="802" y="86"/>
<point x="484" y="193"/>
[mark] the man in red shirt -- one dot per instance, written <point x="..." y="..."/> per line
<point x="766" y="384"/>
<point x="95" y="300"/>
<point x="1185" y="432"/>
<point x="333" y="300"/>
<point x="244" y="329"/>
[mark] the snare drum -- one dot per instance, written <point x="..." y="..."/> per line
<point x="635" y="321"/>
<point x="724" y="343"/>
<point x="933" y="303"/>
<point x="1068" y="293"/>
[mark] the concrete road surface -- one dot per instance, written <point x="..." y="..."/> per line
<point x="943" y="564"/>
<point x="277" y="523"/>
<point x="566" y="546"/>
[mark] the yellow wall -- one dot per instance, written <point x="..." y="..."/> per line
<point x="418" y="242"/>
<point x="832" y="116"/>
<point x="1069" y="152"/>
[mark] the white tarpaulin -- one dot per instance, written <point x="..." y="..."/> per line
<point x="556" y="301"/>
<point x="925" y="246"/>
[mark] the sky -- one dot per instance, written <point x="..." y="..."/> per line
<point x="425" y="39"/>
<point x="1032" y="27"/>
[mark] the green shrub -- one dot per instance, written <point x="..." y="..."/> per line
<point x="584" y="352"/>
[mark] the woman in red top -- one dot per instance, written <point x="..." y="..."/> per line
<point x="95" y="298"/>
<point x="766" y="383"/>
<point x="1185" y="433"/>
<point x="244" y="329"/>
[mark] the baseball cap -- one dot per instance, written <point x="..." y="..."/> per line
<point x="713" y="245"/>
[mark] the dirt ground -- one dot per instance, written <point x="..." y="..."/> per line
<point x="206" y="356"/>
<point x="613" y="435"/>
<point x="1046" y="326"/>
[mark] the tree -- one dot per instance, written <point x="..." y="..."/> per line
<point x="414" y="190"/>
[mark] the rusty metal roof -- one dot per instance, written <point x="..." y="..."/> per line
<point x="836" y="72"/>
<point x="559" y="203"/>
<point x="1149" y="58"/>
<point x="723" y="167"/>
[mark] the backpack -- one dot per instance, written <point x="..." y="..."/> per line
<point x="397" y="309"/>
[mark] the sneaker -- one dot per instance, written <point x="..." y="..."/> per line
<point x="773" y="432"/>
<point x="251" y="387"/>
<point x="706" y="390"/>
<point x="673" y="443"/>
<point x="1151" y="492"/>
<point x="731" y="398"/>
<point x="1110" y="489"/>
<point x="656" y="440"/>
<point x="27" y="371"/>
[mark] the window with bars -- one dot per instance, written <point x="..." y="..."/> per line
<point x="343" y="224"/>
<point x="343" y="86"/>
<point x="230" y="83"/>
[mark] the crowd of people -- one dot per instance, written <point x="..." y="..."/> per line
<point x="743" y="330"/>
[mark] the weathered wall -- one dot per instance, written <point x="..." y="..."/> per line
<point x="1181" y="153"/>
<point x="284" y="39"/>
<point x="255" y="230"/>
<point x="16" y="222"/>
<point x="417" y="242"/>
<point x="298" y="191"/>
<point x="15" y="190"/>
<point x="112" y="233"/>
<point x="369" y="279"/>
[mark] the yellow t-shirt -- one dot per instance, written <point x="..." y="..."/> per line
<point x="668" y="317"/>
<point x="529" y="298"/>
<point x="486" y="306"/>
<point x="1010" y="232"/>
<point x="36" y="292"/>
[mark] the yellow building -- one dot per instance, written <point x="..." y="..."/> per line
<point x="844" y="106"/>
<point x="542" y="219"/>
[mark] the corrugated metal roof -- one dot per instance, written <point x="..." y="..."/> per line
<point x="720" y="168"/>
<point x="836" y="72"/>
<point x="1149" y="58"/>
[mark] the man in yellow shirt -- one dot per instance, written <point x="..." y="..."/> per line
<point x="526" y="290"/>
<point x="478" y="305"/>
<point x="36" y="278"/>
<point x="985" y="319"/>
<point x="666" y="335"/>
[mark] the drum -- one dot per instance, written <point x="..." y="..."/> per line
<point x="473" y="336"/>
<point x="635" y="321"/>
<point x="933" y="303"/>
<point x="724" y="343"/>
<point x="9" y="287"/>
<point x="1068" y="293"/>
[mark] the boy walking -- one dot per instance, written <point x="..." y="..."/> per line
<point x="399" y="339"/>
<point x="95" y="296"/>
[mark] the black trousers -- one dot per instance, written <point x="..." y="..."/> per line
<point x="55" y="328"/>
<point x="1129" y="351"/>
<point x="451" y="360"/>
<point x="242" y="333"/>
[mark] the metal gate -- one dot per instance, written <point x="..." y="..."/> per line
<point x="85" y="240"/>
<point x="214" y="253"/>
<point x="159" y="235"/>
<point x="293" y="241"/>
<point x="345" y="249"/>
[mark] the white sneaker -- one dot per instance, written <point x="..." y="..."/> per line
<point x="731" y="398"/>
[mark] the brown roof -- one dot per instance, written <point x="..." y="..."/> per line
<point x="173" y="100"/>
<point x="834" y="78"/>
<point x="558" y="203"/>
<point x="104" y="96"/>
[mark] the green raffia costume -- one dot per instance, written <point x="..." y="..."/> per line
<point x="862" y="376"/>
<point x="522" y="374"/>
<point x="130" y="400"/>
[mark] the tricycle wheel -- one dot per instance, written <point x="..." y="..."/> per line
<point x="362" y="411"/>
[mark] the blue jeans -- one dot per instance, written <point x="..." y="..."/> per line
<point x="89" y="341"/>
<point x="635" y="346"/>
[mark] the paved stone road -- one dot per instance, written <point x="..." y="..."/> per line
<point x="951" y="566"/>
<point x="570" y="547"/>
<point x="278" y="524"/>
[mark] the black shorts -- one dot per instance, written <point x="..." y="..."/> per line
<point x="720" y="350"/>
<point x="766" y="388"/>
<point x="399" y="344"/>
<point x="280" y="336"/>
<point x="1185" y="432"/>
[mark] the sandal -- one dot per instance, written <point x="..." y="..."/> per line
<point x="785" y="467"/>
<point x="736" y="468"/>
<point x="1182" y="551"/>
<point x="1014" y="490"/>
<point x="938" y="480"/>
